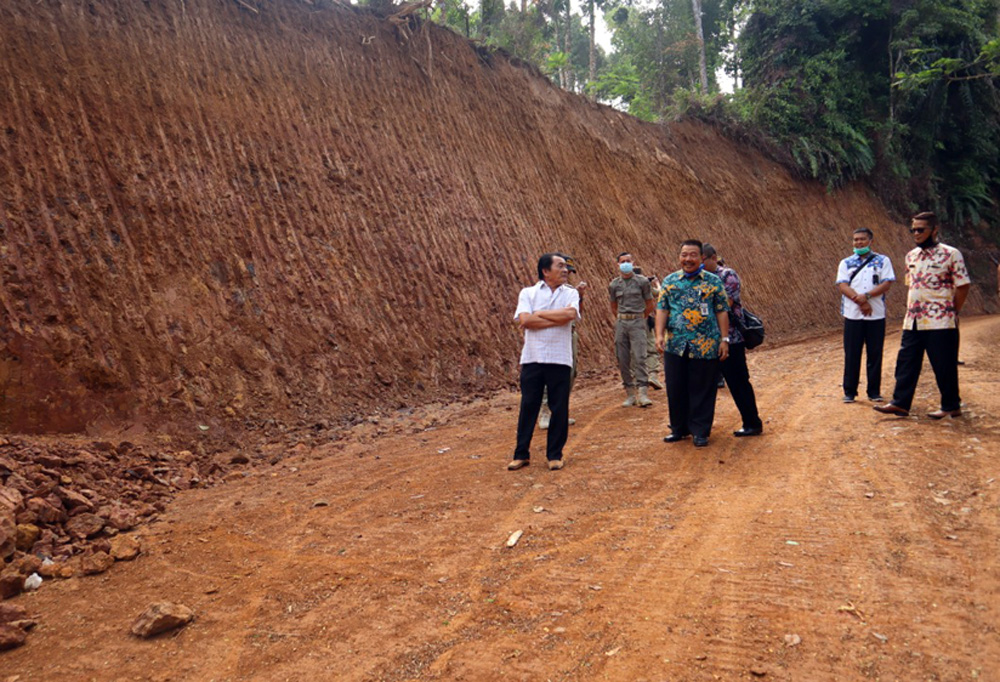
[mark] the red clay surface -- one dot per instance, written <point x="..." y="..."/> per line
<point x="871" y="539"/>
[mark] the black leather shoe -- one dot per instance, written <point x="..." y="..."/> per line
<point x="700" y="441"/>
<point x="744" y="432"/>
<point x="891" y="409"/>
<point x="674" y="437"/>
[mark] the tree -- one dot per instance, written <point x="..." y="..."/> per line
<point x="700" y="36"/>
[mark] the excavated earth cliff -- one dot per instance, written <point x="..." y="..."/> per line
<point x="215" y="214"/>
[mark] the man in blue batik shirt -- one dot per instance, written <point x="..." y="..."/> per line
<point x="862" y="279"/>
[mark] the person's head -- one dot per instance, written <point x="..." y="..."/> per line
<point x="625" y="263"/>
<point x="570" y="262"/>
<point x="924" y="228"/>
<point x="552" y="269"/>
<point x="863" y="241"/>
<point x="710" y="257"/>
<point x="690" y="255"/>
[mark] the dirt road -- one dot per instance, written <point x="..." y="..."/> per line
<point x="870" y="541"/>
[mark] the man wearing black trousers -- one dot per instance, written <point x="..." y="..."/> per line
<point x="938" y="286"/>
<point x="692" y="332"/>
<point x="862" y="280"/>
<point x="734" y="367"/>
<point x="545" y="313"/>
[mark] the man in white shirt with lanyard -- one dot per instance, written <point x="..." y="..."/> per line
<point x="545" y="312"/>
<point x="862" y="280"/>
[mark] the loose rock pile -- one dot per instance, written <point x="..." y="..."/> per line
<point x="64" y="509"/>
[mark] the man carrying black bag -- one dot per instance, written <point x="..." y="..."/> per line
<point x="734" y="367"/>
<point x="863" y="278"/>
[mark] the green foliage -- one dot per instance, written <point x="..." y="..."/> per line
<point x="621" y="84"/>
<point x="660" y="44"/>
<point x="903" y="95"/>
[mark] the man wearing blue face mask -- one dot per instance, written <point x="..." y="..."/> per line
<point x="631" y="302"/>
<point x="862" y="280"/>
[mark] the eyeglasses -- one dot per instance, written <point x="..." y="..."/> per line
<point x="918" y="230"/>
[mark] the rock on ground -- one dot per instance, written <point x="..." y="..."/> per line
<point x="11" y="637"/>
<point x="98" y="562"/>
<point x="124" y="548"/>
<point x="161" y="617"/>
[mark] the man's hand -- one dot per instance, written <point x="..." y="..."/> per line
<point x="723" y="350"/>
<point x="659" y="344"/>
<point x="866" y="308"/>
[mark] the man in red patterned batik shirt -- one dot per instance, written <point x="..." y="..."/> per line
<point x="938" y="286"/>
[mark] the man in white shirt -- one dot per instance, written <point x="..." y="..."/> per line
<point x="862" y="280"/>
<point x="545" y="312"/>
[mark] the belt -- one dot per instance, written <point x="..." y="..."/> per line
<point x="630" y="316"/>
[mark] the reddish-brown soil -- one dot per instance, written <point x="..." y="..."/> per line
<point x="871" y="539"/>
<point x="297" y="235"/>
<point x="225" y="217"/>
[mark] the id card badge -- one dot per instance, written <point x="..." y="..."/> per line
<point x="704" y="309"/>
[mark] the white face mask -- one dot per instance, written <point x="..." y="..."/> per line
<point x="626" y="268"/>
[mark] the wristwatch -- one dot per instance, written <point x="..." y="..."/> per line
<point x="726" y="339"/>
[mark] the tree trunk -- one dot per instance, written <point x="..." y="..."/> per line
<point x="592" y="73"/>
<point x="567" y="46"/>
<point x="702" y="66"/>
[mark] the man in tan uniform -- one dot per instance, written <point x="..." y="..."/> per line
<point x="631" y="302"/>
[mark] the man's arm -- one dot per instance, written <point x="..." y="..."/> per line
<point x="723" y="319"/>
<point x="534" y="321"/>
<point x="661" y="325"/>
<point x="559" y="315"/>
<point x="650" y="305"/>
<point x="880" y="289"/>
<point x="544" y="319"/>
<point x="961" y="293"/>
<point x="850" y="293"/>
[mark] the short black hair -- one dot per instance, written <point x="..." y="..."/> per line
<point x="871" y="235"/>
<point x="545" y="263"/>
<point x="693" y="242"/>
<point x="927" y="216"/>
<point x="623" y="253"/>
<point x="707" y="250"/>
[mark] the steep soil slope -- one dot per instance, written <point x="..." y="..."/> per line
<point x="304" y="211"/>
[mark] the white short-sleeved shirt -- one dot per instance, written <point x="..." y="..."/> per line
<point x="878" y="270"/>
<point x="553" y="345"/>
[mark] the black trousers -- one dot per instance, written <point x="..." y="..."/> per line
<point x="691" y="389"/>
<point x="868" y="335"/>
<point x="737" y="376"/>
<point x="941" y="346"/>
<point x="535" y="378"/>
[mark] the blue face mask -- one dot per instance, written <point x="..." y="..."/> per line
<point x="626" y="268"/>
<point x="864" y="251"/>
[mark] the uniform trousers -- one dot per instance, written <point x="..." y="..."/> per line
<point x="691" y="385"/>
<point x="867" y="335"/>
<point x="535" y="378"/>
<point x="653" y="360"/>
<point x="941" y="346"/>
<point x="630" y="348"/>
<point x="737" y="376"/>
